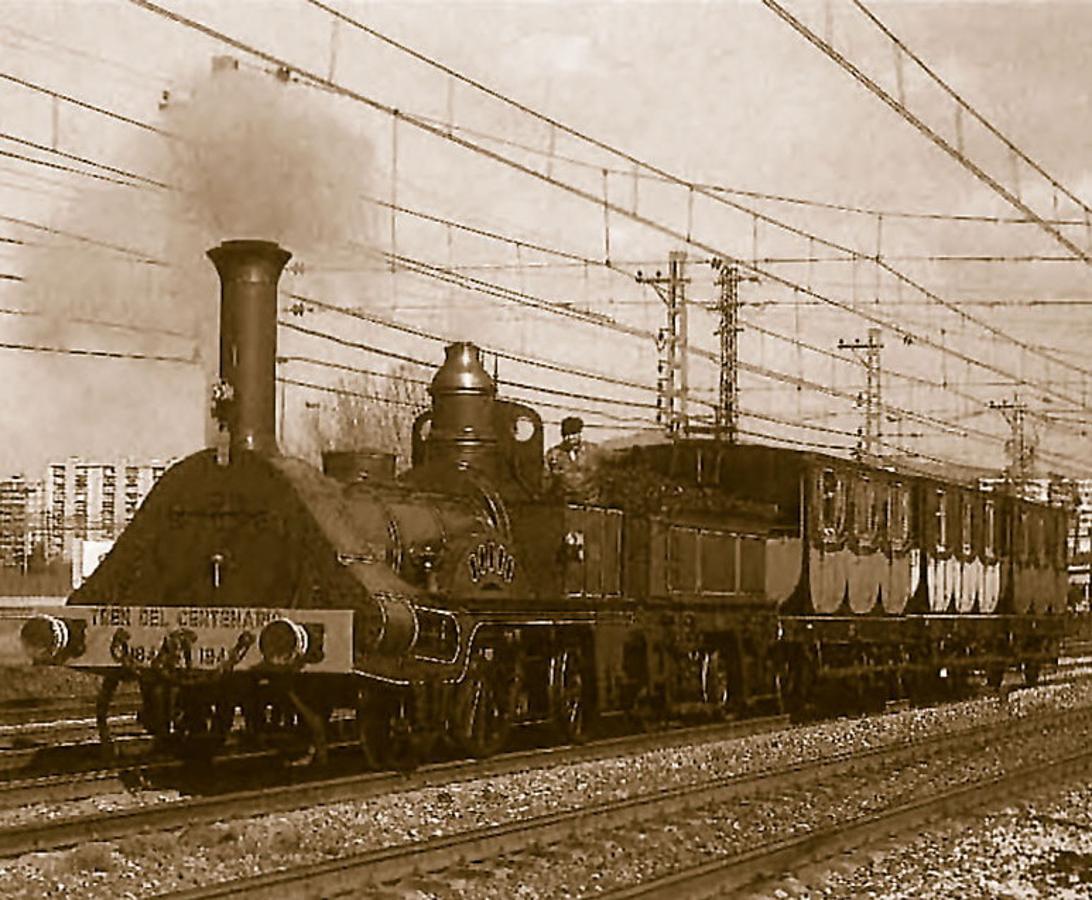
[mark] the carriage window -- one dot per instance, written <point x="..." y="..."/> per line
<point x="1006" y="531"/>
<point x="717" y="560"/>
<point x="881" y="506"/>
<point x="987" y="530"/>
<point x="832" y="504"/>
<point x="864" y="513"/>
<point x="1040" y="539"/>
<point x="683" y="559"/>
<point x="1024" y="536"/>
<point x="967" y="524"/>
<point x="900" y="514"/>
<point x="942" y="520"/>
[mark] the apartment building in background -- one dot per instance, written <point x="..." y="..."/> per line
<point x="54" y="530"/>
<point x="93" y="501"/>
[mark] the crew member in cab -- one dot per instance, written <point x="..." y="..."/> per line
<point x="570" y="465"/>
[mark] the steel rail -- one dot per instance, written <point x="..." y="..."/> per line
<point x="329" y="877"/>
<point x="80" y="782"/>
<point x="67" y="708"/>
<point x="70" y="830"/>
<point x="68" y="757"/>
<point x="719" y="878"/>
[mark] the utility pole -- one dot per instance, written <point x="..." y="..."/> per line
<point x="726" y="420"/>
<point x="869" y="442"/>
<point x="1021" y="446"/>
<point x="672" y="375"/>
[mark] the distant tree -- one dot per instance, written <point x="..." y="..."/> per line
<point x="373" y="413"/>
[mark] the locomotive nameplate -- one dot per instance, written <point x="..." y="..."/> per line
<point x="136" y="634"/>
<point x="491" y="563"/>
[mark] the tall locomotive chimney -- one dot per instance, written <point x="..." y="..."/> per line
<point x="246" y="395"/>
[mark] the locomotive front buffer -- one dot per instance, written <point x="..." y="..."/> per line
<point x="164" y="648"/>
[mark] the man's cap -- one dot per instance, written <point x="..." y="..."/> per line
<point x="571" y="425"/>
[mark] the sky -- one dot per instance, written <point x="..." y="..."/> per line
<point x="723" y="94"/>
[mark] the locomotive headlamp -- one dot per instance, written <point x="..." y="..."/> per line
<point x="283" y="642"/>
<point x="44" y="637"/>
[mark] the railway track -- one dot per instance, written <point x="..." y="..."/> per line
<point x="726" y="877"/>
<point x="72" y="770"/>
<point x="39" y="733"/>
<point x="310" y="790"/>
<point x="46" y="711"/>
<point x="20" y="743"/>
<point x="346" y="875"/>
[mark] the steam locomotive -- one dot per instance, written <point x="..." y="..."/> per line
<point x="460" y="599"/>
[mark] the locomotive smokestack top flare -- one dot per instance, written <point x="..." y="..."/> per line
<point x="245" y="398"/>
<point x="463" y="430"/>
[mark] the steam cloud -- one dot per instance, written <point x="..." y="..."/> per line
<point x="251" y="157"/>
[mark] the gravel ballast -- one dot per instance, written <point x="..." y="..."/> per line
<point x="618" y="858"/>
<point x="150" y="864"/>
<point x="1039" y="848"/>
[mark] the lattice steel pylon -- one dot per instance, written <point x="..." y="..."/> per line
<point x="870" y="439"/>
<point x="726" y="421"/>
<point x="672" y="376"/>
<point x="1023" y="444"/>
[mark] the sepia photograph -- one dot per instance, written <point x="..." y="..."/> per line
<point x="533" y="449"/>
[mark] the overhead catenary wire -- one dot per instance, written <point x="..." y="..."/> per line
<point x="508" y="383"/>
<point x="160" y="184"/>
<point x="901" y="109"/>
<point x="787" y="378"/>
<point x="479" y="286"/>
<point x="136" y="75"/>
<point x="421" y="333"/>
<point x="765" y="371"/>
<point x="83" y="104"/>
<point x="757" y="195"/>
<point x="829" y="205"/>
<point x="616" y="208"/>
<point x="43" y="148"/>
<point x="845" y="307"/>
<point x="22" y="157"/>
<point x="690" y="186"/>
<point x="100" y="323"/>
<point x="104" y="354"/>
<point x="625" y="425"/>
<point x="967" y="107"/>
<point x="593" y="319"/>
<point x="138" y="255"/>
<point x="445" y="274"/>
<point x="507" y="293"/>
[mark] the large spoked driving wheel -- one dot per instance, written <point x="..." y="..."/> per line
<point x="567" y="695"/>
<point x="481" y="716"/>
<point x="716" y="683"/>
